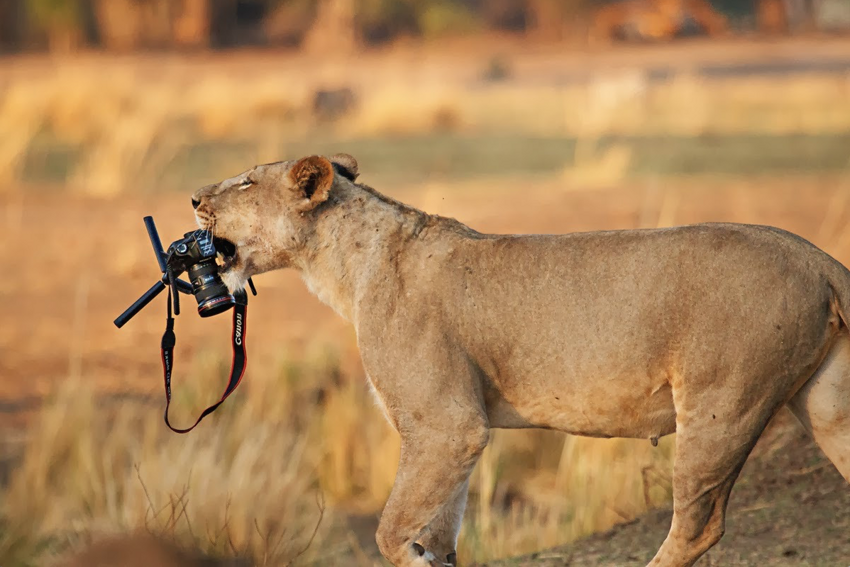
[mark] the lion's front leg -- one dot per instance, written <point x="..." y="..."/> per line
<point x="440" y="537"/>
<point x="419" y="525"/>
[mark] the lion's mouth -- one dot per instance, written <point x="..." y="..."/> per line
<point x="225" y="253"/>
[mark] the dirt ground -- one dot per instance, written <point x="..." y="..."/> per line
<point x="789" y="507"/>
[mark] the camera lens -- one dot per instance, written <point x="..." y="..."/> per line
<point x="210" y="292"/>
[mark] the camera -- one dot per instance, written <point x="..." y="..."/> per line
<point x="195" y="254"/>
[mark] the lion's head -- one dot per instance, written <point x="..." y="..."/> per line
<point x="259" y="218"/>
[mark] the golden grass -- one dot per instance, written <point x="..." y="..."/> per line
<point x="226" y="490"/>
<point x="523" y="502"/>
<point x="296" y="444"/>
<point x="127" y="128"/>
<point x="302" y="440"/>
<point x="306" y="427"/>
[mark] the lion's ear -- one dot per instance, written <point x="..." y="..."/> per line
<point x="345" y="165"/>
<point x="312" y="179"/>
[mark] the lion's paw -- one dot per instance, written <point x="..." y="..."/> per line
<point x="428" y="559"/>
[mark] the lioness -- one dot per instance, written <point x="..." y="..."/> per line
<point x="704" y="330"/>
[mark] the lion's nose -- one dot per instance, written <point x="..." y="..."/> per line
<point x="195" y="203"/>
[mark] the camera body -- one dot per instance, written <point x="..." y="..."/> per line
<point x="195" y="254"/>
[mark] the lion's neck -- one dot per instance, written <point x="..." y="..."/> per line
<point x="354" y="242"/>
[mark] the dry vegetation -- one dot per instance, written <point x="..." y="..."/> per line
<point x="303" y="426"/>
<point x="301" y="455"/>
<point x="114" y="124"/>
<point x="278" y="468"/>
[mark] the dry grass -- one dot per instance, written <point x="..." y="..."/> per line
<point x="253" y="482"/>
<point x="125" y="131"/>
<point x="303" y="426"/>
<point x="525" y="501"/>
<point x="302" y="441"/>
<point x="234" y="488"/>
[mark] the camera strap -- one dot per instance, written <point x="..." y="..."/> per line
<point x="237" y="365"/>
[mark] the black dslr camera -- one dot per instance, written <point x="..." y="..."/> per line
<point x="195" y="254"/>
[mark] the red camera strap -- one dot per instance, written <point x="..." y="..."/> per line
<point x="237" y="365"/>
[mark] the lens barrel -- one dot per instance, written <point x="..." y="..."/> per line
<point x="210" y="292"/>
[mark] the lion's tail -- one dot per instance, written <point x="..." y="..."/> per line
<point x="839" y="280"/>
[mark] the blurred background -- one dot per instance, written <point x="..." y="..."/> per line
<point x="510" y="115"/>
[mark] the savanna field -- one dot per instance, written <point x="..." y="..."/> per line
<point x="296" y="466"/>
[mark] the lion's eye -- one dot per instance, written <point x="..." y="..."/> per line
<point x="245" y="183"/>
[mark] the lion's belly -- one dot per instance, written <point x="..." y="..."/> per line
<point x="607" y="407"/>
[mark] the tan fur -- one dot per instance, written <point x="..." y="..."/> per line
<point x="705" y="330"/>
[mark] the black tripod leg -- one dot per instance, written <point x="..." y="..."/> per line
<point x="184" y="286"/>
<point x="140" y="303"/>
<point x="155" y="242"/>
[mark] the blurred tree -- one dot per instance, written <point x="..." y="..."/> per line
<point x="803" y="15"/>
<point x="441" y="18"/>
<point x="772" y="16"/>
<point x="333" y="28"/>
<point x="192" y="23"/>
<point x="60" y="21"/>
<point x="343" y="25"/>
<point x="380" y="21"/>
<point x="656" y="20"/>
<point x="833" y="15"/>
<point x="705" y="16"/>
<point x="545" y="19"/>
<point x="288" y="21"/>
<point x="511" y="15"/>
<point x="810" y="14"/>
<point x="11" y="24"/>
<point x="226" y="24"/>
<point x="554" y="20"/>
<point x="383" y="20"/>
<point x="132" y="24"/>
<point x="118" y="24"/>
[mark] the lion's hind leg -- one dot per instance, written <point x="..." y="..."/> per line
<point x="823" y="405"/>
<point x="715" y="431"/>
<point x="706" y="467"/>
